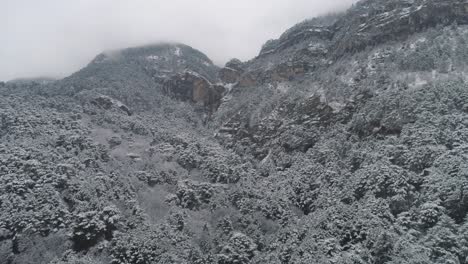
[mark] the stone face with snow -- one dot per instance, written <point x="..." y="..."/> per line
<point x="108" y="103"/>
<point x="229" y="75"/>
<point x="372" y="22"/>
<point x="235" y="64"/>
<point x="317" y="42"/>
<point x="232" y="71"/>
<point x="114" y="141"/>
<point x="191" y="86"/>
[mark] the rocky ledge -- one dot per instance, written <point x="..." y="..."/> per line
<point x="193" y="87"/>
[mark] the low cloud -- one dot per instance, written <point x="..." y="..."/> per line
<point x="56" y="37"/>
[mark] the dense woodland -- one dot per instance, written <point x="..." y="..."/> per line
<point x="318" y="151"/>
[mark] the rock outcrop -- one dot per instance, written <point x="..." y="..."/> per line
<point x="191" y="86"/>
<point x="375" y="22"/>
<point x="320" y="42"/>
<point x="232" y="71"/>
<point x="107" y="103"/>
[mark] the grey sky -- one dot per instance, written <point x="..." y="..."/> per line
<point x="58" y="37"/>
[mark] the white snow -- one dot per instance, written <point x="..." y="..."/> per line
<point x="419" y="8"/>
<point x="317" y="30"/>
<point x="283" y="87"/>
<point x="177" y="51"/>
<point x="229" y="87"/>
<point x="321" y="93"/>
<point x="405" y="11"/>
<point x="231" y="69"/>
<point x="418" y="81"/>
<point x="336" y="106"/>
<point x="152" y="57"/>
<point x="270" y="65"/>
<point x="199" y="76"/>
<point x="384" y="14"/>
<point x="317" y="47"/>
<point x="414" y="44"/>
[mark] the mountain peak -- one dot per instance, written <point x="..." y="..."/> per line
<point x="162" y="57"/>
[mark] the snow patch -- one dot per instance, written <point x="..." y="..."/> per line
<point x="177" y="51"/>
<point x="264" y="160"/>
<point x="418" y="82"/>
<point x="419" y="8"/>
<point x="323" y="97"/>
<point x="199" y="76"/>
<point x="336" y="106"/>
<point x="417" y="42"/>
<point x="283" y="87"/>
<point x="152" y="57"/>
<point x="317" y="48"/>
<point x="229" y="87"/>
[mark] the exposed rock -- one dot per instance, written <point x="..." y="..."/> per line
<point x="297" y="35"/>
<point x="247" y="80"/>
<point x="229" y="75"/>
<point x="316" y="44"/>
<point x="287" y="72"/>
<point x="292" y="127"/>
<point x="232" y="71"/>
<point x="373" y="22"/>
<point x="235" y="64"/>
<point x="106" y="102"/>
<point x="114" y="141"/>
<point x="191" y="86"/>
<point x="134" y="156"/>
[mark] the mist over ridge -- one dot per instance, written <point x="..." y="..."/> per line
<point x="55" y="38"/>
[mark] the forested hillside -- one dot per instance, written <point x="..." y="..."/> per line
<point x="344" y="141"/>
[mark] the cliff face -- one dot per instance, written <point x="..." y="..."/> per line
<point x="375" y="22"/>
<point x="319" y="42"/>
<point x="190" y="86"/>
<point x="344" y="141"/>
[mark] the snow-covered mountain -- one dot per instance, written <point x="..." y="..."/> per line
<point x="343" y="141"/>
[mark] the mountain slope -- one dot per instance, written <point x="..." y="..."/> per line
<point x="345" y="141"/>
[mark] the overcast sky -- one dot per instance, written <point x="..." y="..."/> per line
<point x="58" y="37"/>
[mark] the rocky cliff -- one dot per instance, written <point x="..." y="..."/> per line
<point x="321" y="41"/>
